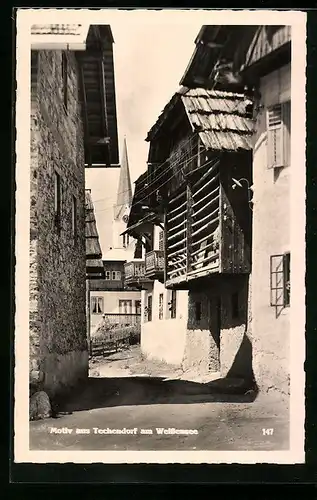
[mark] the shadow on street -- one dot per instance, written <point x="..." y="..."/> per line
<point x="127" y="391"/>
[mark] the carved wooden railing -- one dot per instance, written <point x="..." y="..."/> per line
<point x="154" y="262"/>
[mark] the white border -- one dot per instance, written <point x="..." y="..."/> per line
<point x="297" y="20"/>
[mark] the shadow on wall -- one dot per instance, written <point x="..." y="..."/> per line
<point x="242" y="363"/>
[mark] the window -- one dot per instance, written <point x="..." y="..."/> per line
<point x="197" y="311"/>
<point x="125" y="240"/>
<point x="279" y="130"/>
<point x="74" y="217"/>
<point x="65" y="79"/>
<point x="137" y="304"/>
<point x="235" y="305"/>
<point x="57" y="201"/>
<point x="138" y="249"/>
<point x="161" y="240"/>
<point x="172" y="304"/>
<point x="161" y="296"/>
<point x="149" y="308"/>
<point x="125" y="306"/>
<point x="97" y="305"/>
<point x="116" y="275"/>
<point x="280" y="280"/>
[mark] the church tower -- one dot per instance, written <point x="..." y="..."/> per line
<point x="123" y="203"/>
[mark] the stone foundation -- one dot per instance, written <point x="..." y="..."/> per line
<point x="62" y="372"/>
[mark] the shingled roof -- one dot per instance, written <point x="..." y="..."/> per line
<point x="221" y="118"/>
<point x="56" y="29"/>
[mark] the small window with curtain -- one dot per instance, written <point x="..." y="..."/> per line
<point x="116" y="275"/>
<point x="279" y="135"/>
<point x="97" y="305"/>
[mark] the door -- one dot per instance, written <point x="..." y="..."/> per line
<point x="138" y="307"/>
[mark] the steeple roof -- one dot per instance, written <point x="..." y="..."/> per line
<point x="124" y="193"/>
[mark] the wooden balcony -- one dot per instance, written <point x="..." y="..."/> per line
<point x="208" y="228"/>
<point x="134" y="272"/>
<point x="154" y="265"/>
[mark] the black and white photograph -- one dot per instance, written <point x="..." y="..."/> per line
<point x="160" y="236"/>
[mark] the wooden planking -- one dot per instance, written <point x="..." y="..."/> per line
<point x="234" y="250"/>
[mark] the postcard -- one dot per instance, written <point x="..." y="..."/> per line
<point x="160" y="236"/>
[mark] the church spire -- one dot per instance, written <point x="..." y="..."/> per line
<point x="124" y="193"/>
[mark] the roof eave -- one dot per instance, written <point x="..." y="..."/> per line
<point x="60" y="42"/>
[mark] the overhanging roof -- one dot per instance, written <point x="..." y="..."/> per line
<point x="98" y="98"/>
<point x="242" y="45"/>
<point x="59" y="36"/>
<point x="93" y="45"/>
<point x="220" y="118"/>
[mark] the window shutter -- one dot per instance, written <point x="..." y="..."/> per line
<point x="286" y="118"/>
<point x="275" y="136"/>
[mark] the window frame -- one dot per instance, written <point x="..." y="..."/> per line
<point x="173" y="304"/>
<point x="121" y="305"/>
<point x="283" y="270"/>
<point x="97" y="299"/>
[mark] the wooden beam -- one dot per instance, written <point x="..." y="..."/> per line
<point x="189" y="227"/>
<point x="104" y="115"/>
<point x="85" y="115"/>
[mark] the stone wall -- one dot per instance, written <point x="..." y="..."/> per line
<point x="58" y="345"/>
<point x="201" y="353"/>
<point x="219" y="341"/>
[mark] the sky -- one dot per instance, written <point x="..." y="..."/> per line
<point x="149" y="61"/>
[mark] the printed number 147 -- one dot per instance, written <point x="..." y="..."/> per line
<point x="267" y="432"/>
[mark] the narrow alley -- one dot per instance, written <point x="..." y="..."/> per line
<point x="133" y="404"/>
